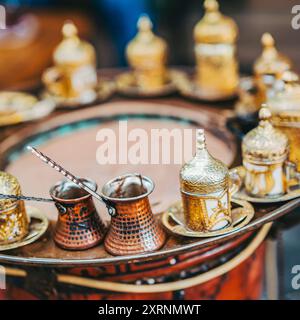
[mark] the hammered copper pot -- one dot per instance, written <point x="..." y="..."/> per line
<point x="78" y="226"/>
<point x="133" y="229"/>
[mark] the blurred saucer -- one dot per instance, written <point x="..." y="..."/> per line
<point x="104" y="91"/>
<point x="189" y="88"/>
<point x="18" y="107"/>
<point x="126" y="85"/>
<point x="38" y="224"/>
<point x="237" y="174"/>
<point x="173" y="220"/>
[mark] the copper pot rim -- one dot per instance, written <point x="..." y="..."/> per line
<point x="74" y="200"/>
<point x="124" y="176"/>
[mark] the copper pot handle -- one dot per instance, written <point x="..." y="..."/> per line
<point x="235" y="182"/>
<point x="110" y="206"/>
<point x="61" y="209"/>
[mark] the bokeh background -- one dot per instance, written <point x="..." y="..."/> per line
<point x="34" y="30"/>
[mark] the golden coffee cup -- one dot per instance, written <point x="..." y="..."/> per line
<point x="13" y="216"/>
<point x="147" y="54"/>
<point x="74" y="73"/>
<point x="206" y="190"/>
<point x="265" y="152"/>
<point x="215" y="38"/>
<point x="56" y="81"/>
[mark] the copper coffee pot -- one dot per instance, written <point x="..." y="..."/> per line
<point x="78" y="226"/>
<point x="133" y="229"/>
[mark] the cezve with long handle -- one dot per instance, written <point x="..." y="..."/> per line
<point x="110" y="206"/>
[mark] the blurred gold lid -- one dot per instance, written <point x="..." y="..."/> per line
<point x="264" y="143"/>
<point x="146" y="46"/>
<point x="214" y="27"/>
<point x="203" y="174"/>
<point x="8" y="185"/>
<point x="285" y="104"/>
<point x="72" y="50"/>
<point x="270" y="61"/>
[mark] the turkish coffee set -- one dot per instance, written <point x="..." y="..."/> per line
<point x="214" y="200"/>
<point x="73" y="80"/>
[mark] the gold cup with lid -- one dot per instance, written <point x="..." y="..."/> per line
<point x="265" y="151"/>
<point x="74" y="72"/>
<point x="13" y="217"/>
<point x="205" y="191"/>
<point x="215" y="38"/>
<point x="268" y="67"/>
<point x="147" y="55"/>
<point x="285" y="108"/>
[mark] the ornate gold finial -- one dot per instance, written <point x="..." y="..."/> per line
<point x="144" y="24"/>
<point x="264" y="113"/>
<point x="211" y="5"/>
<point x="269" y="51"/>
<point x="69" y="30"/>
<point x="200" y="139"/>
<point x="267" y="40"/>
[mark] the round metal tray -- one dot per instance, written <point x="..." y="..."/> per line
<point x="70" y="139"/>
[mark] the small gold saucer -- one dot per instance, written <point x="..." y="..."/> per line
<point x="104" y="90"/>
<point x="188" y="88"/>
<point x="173" y="220"/>
<point x="38" y="224"/>
<point x="127" y="86"/>
<point x="237" y="175"/>
<point x="18" y="107"/>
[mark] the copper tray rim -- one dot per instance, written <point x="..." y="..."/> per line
<point x="252" y="226"/>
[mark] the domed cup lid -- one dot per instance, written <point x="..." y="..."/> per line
<point x="72" y="50"/>
<point x="215" y="27"/>
<point x="270" y="61"/>
<point x="203" y="174"/>
<point x="146" y="46"/>
<point x="265" y="143"/>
